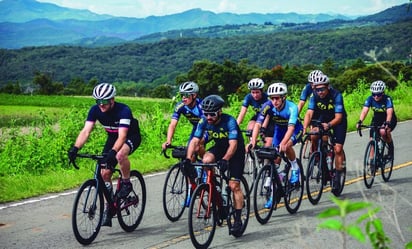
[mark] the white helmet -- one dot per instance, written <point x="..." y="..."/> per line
<point x="321" y="79"/>
<point x="104" y="91"/>
<point x="277" y="89"/>
<point x="378" y="86"/>
<point x="312" y="75"/>
<point x="255" y="84"/>
<point x="189" y="87"/>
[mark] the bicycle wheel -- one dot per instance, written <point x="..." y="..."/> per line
<point x="294" y="192"/>
<point x="175" y="191"/>
<point x="264" y="199"/>
<point x="87" y="212"/>
<point x="245" y="210"/>
<point x="130" y="209"/>
<point x="314" y="181"/>
<point x="342" y="178"/>
<point x="369" y="164"/>
<point x="202" y="217"/>
<point x="305" y="151"/>
<point x="387" y="164"/>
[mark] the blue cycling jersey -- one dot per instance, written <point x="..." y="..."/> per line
<point x="379" y="108"/>
<point x="328" y="106"/>
<point x="256" y="105"/>
<point x="192" y="114"/>
<point x="285" y="117"/>
<point x="306" y="92"/>
<point x="120" y="116"/>
<point x="227" y="129"/>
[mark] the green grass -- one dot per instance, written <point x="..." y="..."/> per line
<point x="35" y="163"/>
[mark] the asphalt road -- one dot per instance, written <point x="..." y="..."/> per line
<point x="45" y="222"/>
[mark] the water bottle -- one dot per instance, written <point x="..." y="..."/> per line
<point x="204" y="176"/>
<point x="199" y="172"/>
<point x="380" y="146"/>
<point x="225" y="196"/>
<point x="329" y="159"/>
<point x="282" y="175"/>
<point x="267" y="182"/>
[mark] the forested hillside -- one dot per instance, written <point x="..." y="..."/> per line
<point x="159" y="63"/>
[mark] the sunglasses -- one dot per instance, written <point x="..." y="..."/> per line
<point x="185" y="95"/>
<point x="275" y="98"/>
<point x="377" y="94"/>
<point x="102" y="101"/>
<point x="320" y="89"/>
<point x="211" y="114"/>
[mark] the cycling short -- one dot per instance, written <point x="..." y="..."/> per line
<point x="392" y="125"/>
<point x="236" y="163"/>
<point x="132" y="141"/>
<point x="270" y="130"/>
<point x="339" y="132"/>
<point x="281" y="131"/>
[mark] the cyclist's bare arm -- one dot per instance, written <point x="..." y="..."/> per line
<point x="308" y="118"/>
<point x="170" y="132"/>
<point x="241" y="115"/>
<point x="191" y="149"/>
<point x="84" y="134"/>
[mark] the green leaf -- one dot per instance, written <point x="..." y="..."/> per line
<point x="330" y="212"/>
<point x="331" y="224"/>
<point x="352" y="207"/>
<point x="356" y="233"/>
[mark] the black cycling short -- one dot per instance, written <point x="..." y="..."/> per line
<point x="133" y="141"/>
<point x="236" y="163"/>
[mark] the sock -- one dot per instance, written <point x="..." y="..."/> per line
<point x="238" y="214"/>
<point x="295" y="165"/>
<point x="125" y="179"/>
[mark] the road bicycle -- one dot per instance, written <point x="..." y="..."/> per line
<point x="212" y="203"/>
<point x="272" y="184"/>
<point x="176" y="189"/>
<point x="321" y="168"/>
<point x="89" y="204"/>
<point x="306" y="149"/>
<point x="376" y="156"/>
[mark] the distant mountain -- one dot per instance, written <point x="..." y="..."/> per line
<point x="31" y="23"/>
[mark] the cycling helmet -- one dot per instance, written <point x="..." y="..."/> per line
<point x="212" y="103"/>
<point x="256" y="84"/>
<point x="277" y="89"/>
<point x="189" y="87"/>
<point x="104" y="91"/>
<point x="378" y="86"/>
<point x="312" y="75"/>
<point x="321" y="79"/>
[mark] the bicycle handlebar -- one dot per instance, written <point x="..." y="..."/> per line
<point x="375" y="127"/>
<point x="169" y="146"/>
<point x="91" y="156"/>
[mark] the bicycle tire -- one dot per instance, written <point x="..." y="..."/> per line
<point x="342" y="177"/>
<point x="305" y="151"/>
<point x="130" y="210"/>
<point x="387" y="164"/>
<point x="245" y="210"/>
<point x="250" y="170"/>
<point x="294" y="193"/>
<point x="175" y="191"/>
<point x="261" y="195"/>
<point x="202" y="225"/>
<point x="87" y="217"/>
<point x="369" y="170"/>
<point x="314" y="178"/>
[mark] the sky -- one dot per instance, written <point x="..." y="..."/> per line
<point x="145" y="8"/>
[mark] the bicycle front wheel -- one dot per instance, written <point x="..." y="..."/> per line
<point x="369" y="164"/>
<point x="245" y="209"/>
<point x="175" y="191"/>
<point x="130" y="209"/>
<point x="294" y="192"/>
<point x="202" y="217"/>
<point x="87" y="212"/>
<point x="264" y="199"/>
<point x="314" y="178"/>
<point x="387" y="164"/>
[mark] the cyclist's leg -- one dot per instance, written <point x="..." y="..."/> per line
<point x="236" y="166"/>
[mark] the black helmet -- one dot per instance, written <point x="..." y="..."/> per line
<point x="212" y="103"/>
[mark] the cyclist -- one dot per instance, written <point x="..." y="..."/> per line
<point x="228" y="150"/>
<point x="123" y="138"/>
<point x="328" y="104"/>
<point x="383" y="113"/>
<point x="256" y="98"/>
<point x="287" y="130"/>
<point x="307" y="91"/>
<point x="190" y="108"/>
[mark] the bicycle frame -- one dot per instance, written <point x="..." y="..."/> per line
<point x="376" y="138"/>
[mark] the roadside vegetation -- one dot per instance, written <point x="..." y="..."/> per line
<point x="38" y="130"/>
